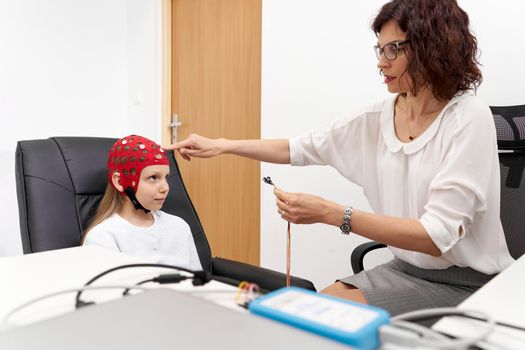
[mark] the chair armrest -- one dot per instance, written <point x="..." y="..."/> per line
<point x="233" y="272"/>
<point x="358" y="254"/>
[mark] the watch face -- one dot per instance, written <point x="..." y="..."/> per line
<point x="345" y="228"/>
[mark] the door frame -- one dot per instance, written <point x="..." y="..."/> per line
<point x="166" y="131"/>
<point x="167" y="110"/>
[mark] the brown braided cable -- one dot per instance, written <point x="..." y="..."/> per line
<point x="288" y="256"/>
<point x="269" y="181"/>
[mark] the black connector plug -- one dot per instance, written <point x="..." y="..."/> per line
<point x="82" y="303"/>
<point x="200" y="278"/>
<point x="245" y="305"/>
<point x="170" y="278"/>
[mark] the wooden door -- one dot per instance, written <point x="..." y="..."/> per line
<point x="216" y="89"/>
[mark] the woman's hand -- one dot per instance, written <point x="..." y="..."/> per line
<point x="198" y="146"/>
<point x="302" y="208"/>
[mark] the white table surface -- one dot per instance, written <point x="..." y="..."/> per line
<point x="30" y="276"/>
<point x="26" y="277"/>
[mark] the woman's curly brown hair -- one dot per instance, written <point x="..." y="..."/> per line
<point x="443" y="52"/>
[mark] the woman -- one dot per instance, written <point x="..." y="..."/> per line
<point x="426" y="159"/>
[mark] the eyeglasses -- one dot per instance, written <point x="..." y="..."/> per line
<point x="390" y="50"/>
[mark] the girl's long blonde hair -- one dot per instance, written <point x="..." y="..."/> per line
<point x="109" y="204"/>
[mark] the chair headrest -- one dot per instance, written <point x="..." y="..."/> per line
<point x="86" y="159"/>
<point x="510" y="127"/>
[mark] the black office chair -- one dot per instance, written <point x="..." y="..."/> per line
<point x="60" y="182"/>
<point x="510" y="129"/>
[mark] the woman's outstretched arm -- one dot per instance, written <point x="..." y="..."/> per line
<point x="271" y="151"/>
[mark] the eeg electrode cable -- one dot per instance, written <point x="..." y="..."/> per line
<point x="269" y="181"/>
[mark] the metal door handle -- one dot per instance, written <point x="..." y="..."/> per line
<point x="174" y="125"/>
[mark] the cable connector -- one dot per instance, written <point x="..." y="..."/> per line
<point x="170" y="278"/>
<point x="83" y="303"/>
<point x="200" y="278"/>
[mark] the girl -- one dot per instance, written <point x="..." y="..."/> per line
<point x="129" y="219"/>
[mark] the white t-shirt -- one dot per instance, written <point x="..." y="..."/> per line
<point x="167" y="241"/>
<point x="447" y="178"/>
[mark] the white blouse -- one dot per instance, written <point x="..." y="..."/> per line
<point x="447" y="178"/>
<point x="167" y="241"/>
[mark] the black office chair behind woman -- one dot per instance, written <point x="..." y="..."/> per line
<point x="510" y="130"/>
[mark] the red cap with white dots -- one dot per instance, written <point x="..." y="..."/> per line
<point x="130" y="155"/>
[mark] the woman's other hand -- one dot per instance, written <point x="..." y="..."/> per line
<point x="198" y="146"/>
<point x="302" y="208"/>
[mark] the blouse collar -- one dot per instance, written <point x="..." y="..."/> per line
<point x="389" y="133"/>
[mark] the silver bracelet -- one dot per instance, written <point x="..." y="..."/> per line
<point x="346" y="226"/>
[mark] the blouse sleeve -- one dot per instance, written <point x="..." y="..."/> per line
<point x="458" y="192"/>
<point x="339" y="145"/>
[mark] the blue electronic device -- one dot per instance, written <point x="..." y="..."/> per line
<point x="342" y="320"/>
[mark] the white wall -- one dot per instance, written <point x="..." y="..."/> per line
<point x="74" y="68"/>
<point x="317" y="66"/>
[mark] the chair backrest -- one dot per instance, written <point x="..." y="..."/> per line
<point x="510" y="128"/>
<point x="60" y="182"/>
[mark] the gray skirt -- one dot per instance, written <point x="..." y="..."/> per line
<point x="399" y="287"/>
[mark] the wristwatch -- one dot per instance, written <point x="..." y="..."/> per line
<point x="346" y="226"/>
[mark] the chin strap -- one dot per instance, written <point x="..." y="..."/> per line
<point x="131" y="195"/>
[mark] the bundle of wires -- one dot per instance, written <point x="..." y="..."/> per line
<point x="403" y="333"/>
<point x="246" y="292"/>
<point x="198" y="278"/>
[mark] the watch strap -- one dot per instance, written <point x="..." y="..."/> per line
<point x="346" y="225"/>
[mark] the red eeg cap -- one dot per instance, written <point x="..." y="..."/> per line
<point x="130" y="155"/>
